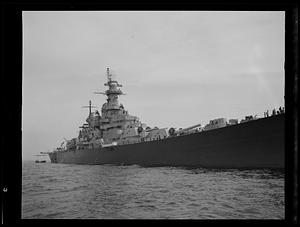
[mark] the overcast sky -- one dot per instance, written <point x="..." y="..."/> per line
<point x="177" y="68"/>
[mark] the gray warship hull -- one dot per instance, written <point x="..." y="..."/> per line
<point x="253" y="144"/>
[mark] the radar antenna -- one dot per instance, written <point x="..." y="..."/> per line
<point x="90" y="107"/>
<point x="108" y="75"/>
<point x="112" y="84"/>
<point x="101" y="93"/>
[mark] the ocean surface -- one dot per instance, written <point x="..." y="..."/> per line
<point x="65" y="191"/>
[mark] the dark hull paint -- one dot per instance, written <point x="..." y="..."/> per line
<point x="254" y="144"/>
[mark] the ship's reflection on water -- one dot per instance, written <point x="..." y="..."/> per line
<point x="133" y="192"/>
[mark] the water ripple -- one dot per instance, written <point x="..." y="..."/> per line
<point x="52" y="191"/>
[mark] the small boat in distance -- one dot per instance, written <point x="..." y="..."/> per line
<point x="41" y="161"/>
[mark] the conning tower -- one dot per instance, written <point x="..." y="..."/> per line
<point x="112" y="93"/>
<point x="115" y="119"/>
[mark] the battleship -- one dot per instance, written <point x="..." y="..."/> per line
<point x="112" y="136"/>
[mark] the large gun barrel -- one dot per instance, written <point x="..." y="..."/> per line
<point x="187" y="129"/>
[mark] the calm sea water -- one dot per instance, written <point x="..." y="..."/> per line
<point x="61" y="191"/>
